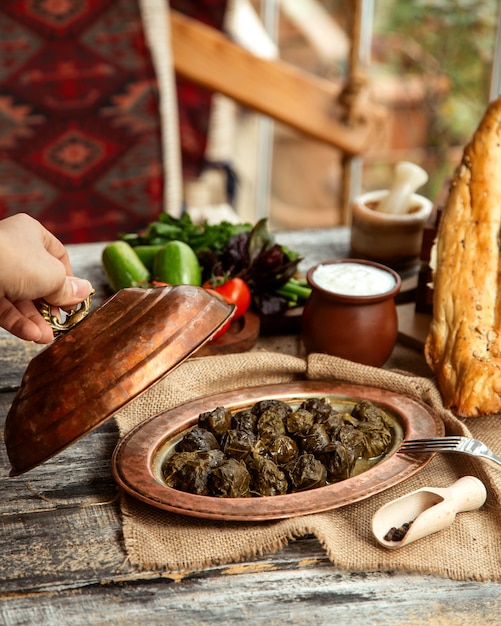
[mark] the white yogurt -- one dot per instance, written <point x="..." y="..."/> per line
<point x="353" y="279"/>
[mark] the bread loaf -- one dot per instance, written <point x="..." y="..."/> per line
<point x="463" y="347"/>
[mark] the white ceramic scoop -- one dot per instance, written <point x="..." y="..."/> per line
<point x="407" y="179"/>
<point x="428" y="510"/>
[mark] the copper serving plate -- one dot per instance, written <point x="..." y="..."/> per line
<point x="138" y="458"/>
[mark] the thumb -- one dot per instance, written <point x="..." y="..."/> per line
<point x="73" y="291"/>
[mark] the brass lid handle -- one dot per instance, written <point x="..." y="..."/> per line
<point x="71" y="318"/>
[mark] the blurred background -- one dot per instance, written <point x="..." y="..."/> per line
<point x="89" y="107"/>
<point x="428" y="63"/>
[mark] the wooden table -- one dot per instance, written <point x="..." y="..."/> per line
<point x="62" y="559"/>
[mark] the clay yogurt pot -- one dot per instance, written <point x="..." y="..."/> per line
<point x="351" y="312"/>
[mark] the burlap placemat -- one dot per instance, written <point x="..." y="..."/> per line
<point x="469" y="549"/>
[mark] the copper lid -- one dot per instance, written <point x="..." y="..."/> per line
<point x="116" y="353"/>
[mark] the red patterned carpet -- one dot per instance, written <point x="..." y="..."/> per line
<point x="80" y="137"/>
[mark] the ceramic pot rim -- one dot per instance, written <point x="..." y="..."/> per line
<point x="356" y="299"/>
<point x="421" y="215"/>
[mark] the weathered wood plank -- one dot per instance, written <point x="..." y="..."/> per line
<point x="59" y="548"/>
<point x="60" y="521"/>
<point x="274" y="597"/>
<point x="14" y="358"/>
<point x="79" y="475"/>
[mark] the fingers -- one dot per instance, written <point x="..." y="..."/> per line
<point x="34" y="262"/>
<point x="73" y="291"/>
<point x="24" y="321"/>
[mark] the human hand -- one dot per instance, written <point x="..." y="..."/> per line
<point x="34" y="264"/>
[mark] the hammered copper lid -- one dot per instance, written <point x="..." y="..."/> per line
<point x="116" y="353"/>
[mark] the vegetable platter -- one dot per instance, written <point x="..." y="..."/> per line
<point x="241" y="263"/>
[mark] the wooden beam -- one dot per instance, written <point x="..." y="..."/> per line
<point x="271" y="87"/>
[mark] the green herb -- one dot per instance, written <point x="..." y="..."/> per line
<point x="212" y="237"/>
<point x="296" y="291"/>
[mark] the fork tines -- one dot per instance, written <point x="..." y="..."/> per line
<point x="430" y="444"/>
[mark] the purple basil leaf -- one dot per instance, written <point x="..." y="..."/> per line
<point x="271" y="304"/>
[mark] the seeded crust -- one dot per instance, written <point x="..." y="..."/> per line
<point x="463" y="347"/>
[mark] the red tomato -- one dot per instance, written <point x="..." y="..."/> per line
<point x="235" y="291"/>
<point x="224" y="327"/>
<point x="222" y="330"/>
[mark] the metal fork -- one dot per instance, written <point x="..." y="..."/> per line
<point x="466" y="445"/>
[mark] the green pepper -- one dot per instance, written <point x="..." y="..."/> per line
<point x="122" y="266"/>
<point x="147" y="254"/>
<point x="177" y="264"/>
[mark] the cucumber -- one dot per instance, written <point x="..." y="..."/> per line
<point x="147" y="254"/>
<point x="177" y="264"/>
<point x="122" y="266"/>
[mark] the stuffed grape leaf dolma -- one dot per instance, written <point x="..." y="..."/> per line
<point x="316" y="440"/>
<point x="279" y="407"/>
<point x="339" y="461"/>
<point x="267" y="479"/>
<point x="198" y="439"/>
<point x="333" y="425"/>
<point x="238" y="444"/>
<point x="375" y="425"/>
<point x="307" y="473"/>
<point x="244" y="420"/>
<point x="217" y="421"/>
<point x="190" y="471"/>
<point x="269" y="425"/>
<point x="352" y="438"/>
<point x="273" y="449"/>
<point x="282" y="450"/>
<point x="231" y="479"/>
<point x="319" y="407"/>
<point x="299" y="422"/>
